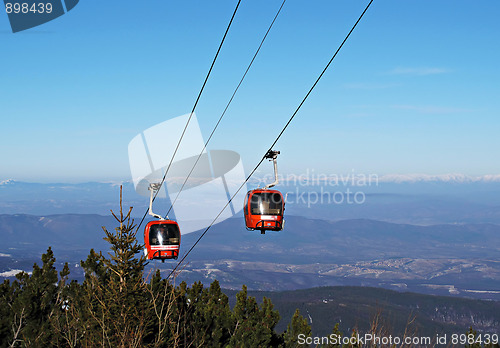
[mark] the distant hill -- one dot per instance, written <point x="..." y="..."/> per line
<point x="19" y="197"/>
<point x="356" y="307"/>
<point x="70" y="235"/>
<point x="312" y="240"/>
<point x="458" y="260"/>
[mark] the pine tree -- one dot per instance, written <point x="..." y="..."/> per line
<point x="114" y="291"/>
<point x="164" y="302"/>
<point x="297" y="326"/>
<point x="217" y="316"/>
<point x="335" y="338"/>
<point x="471" y="339"/>
<point x="10" y="325"/>
<point x="208" y="315"/>
<point x="30" y="305"/>
<point x="254" y="327"/>
<point x="67" y="323"/>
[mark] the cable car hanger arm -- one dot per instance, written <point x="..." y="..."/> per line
<point x="154" y="188"/>
<point x="273" y="155"/>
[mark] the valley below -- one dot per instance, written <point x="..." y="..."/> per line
<point x="458" y="260"/>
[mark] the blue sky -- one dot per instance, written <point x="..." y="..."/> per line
<point x="414" y="90"/>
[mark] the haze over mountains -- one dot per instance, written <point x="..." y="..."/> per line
<point x="416" y="199"/>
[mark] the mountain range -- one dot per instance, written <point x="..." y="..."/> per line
<point x="458" y="260"/>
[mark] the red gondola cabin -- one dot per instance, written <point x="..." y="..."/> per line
<point x="162" y="240"/>
<point x="264" y="210"/>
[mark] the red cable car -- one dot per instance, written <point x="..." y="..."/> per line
<point x="264" y="208"/>
<point x="162" y="238"/>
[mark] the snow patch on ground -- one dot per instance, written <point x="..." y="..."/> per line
<point x="12" y="273"/>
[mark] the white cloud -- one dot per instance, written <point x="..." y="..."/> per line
<point x="420" y="71"/>
<point x="431" y="109"/>
<point x="370" y="86"/>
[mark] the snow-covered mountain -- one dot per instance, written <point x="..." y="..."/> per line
<point x="415" y="199"/>
<point x="441" y="178"/>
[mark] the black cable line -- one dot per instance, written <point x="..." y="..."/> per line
<point x="192" y="111"/>
<point x="222" y="210"/>
<point x="274" y="143"/>
<point x="227" y="106"/>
